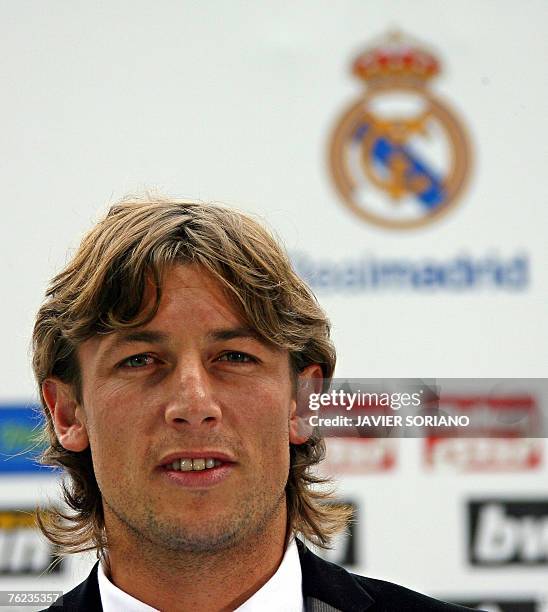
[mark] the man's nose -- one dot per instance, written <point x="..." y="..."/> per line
<point x="192" y="402"/>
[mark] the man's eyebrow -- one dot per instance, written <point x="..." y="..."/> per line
<point x="142" y="335"/>
<point x="236" y="332"/>
<point x="156" y="337"/>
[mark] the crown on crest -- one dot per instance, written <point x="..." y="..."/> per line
<point x="395" y="57"/>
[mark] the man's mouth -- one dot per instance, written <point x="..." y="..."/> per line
<point x="196" y="460"/>
<point x="201" y="468"/>
<point x="186" y="464"/>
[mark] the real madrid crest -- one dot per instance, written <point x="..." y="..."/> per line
<point x="399" y="157"/>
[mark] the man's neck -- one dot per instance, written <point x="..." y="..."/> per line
<point x="167" y="580"/>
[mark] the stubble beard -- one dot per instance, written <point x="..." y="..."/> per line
<point x="251" y="519"/>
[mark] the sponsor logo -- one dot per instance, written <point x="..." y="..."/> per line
<point x="508" y="532"/>
<point x="23" y="551"/>
<point x="344" y="550"/>
<point x="399" y="157"/>
<point x="501" y="605"/>
<point x="505" y="421"/>
<point x="18" y="444"/>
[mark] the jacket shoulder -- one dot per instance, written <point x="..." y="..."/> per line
<point x="83" y="598"/>
<point x="390" y="597"/>
<point x="327" y="586"/>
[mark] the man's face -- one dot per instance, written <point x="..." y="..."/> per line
<point x="193" y="384"/>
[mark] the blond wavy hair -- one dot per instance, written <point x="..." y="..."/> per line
<point x="101" y="291"/>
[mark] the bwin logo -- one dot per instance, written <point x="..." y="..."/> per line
<point x="508" y="532"/>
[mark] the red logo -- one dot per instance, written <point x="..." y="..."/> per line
<point x="499" y="440"/>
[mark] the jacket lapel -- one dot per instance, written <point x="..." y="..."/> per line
<point x="328" y="587"/>
<point x="85" y="597"/>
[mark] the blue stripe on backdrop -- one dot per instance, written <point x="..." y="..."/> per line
<point x="19" y="449"/>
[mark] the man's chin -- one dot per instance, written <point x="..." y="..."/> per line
<point x="198" y="536"/>
<point x="208" y="529"/>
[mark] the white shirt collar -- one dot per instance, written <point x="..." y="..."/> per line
<point x="283" y="592"/>
<point x="114" y="599"/>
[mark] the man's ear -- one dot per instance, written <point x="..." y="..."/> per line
<point x="309" y="381"/>
<point x="67" y="414"/>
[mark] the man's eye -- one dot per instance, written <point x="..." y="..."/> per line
<point x="236" y="357"/>
<point x="138" y="361"/>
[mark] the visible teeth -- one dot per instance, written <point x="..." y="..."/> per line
<point x="199" y="464"/>
<point x="186" y="465"/>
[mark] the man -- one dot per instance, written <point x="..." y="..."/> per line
<point x="168" y="355"/>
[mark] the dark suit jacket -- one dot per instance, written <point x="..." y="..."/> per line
<point x="326" y="588"/>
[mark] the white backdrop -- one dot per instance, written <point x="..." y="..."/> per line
<point x="235" y="102"/>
